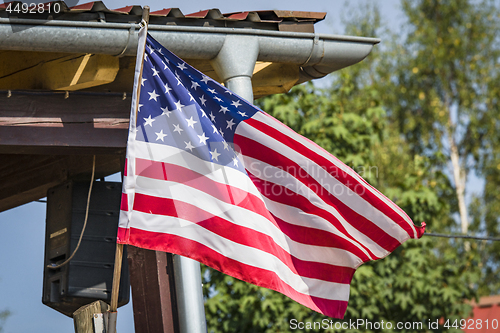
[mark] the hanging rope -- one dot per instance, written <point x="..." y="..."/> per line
<point x="84" y="223"/>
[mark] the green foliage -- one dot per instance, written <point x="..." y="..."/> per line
<point x="414" y="284"/>
<point x="386" y="118"/>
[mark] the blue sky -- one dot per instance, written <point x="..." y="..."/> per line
<point x="23" y="228"/>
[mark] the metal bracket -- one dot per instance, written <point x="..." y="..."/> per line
<point x="131" y="32"/>
<point x="100" y="321"/>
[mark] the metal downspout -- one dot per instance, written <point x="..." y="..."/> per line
<point x="235" y="64"/>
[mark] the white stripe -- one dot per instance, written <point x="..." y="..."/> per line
<point x="241" y="253"/>
<point x="216" y="172"/>
<point x="244" y="218"/>
<point x="259" y="116"/>
<point x="129" y="181"/>
<point x="284" y="179"/>
<point x="329" y="183"/>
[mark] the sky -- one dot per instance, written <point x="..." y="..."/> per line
<point x="22" y="233"/>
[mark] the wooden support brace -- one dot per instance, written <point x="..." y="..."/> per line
<point x="83" y="318"/>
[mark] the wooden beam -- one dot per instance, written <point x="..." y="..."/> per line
<point x="53" y="124"/>
<point x="56" y="71"/>
<point x="153" y="291"/>
<point x="25" y="178"/>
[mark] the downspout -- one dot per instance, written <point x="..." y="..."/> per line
<point x="235" y="64"/>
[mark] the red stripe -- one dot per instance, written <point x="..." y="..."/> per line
<point x="124" y="202"/>
<point x="241" y="235"/>
<point x="227" y="193"/>
<point x="251" y="274"/>
<point x="172" y="172"/>
<point x="123" y="236"/>
<point x="280" y="194"/>
<point x="349" y="181"/>
<point x="359" y="222"/>
<point x="309" y="235"/>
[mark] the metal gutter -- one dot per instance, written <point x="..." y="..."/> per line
<point x="232" y="52"/>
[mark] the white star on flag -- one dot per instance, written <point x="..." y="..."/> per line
<point x="205" y="79"/>
<point x="215" y="154"/>
<point x="230" y="124"/>
<point x="149" y="121"/>
<point x="177" y="128"/>
<point x="166" y="112"/>
<point x="167" y="89"/>
<point x="160" y="135"/>
<point x="191" y="122"/>
<point x="194" y="85"/>
<point x="203" y="138"/>
<point x="153" y="95"/>
<point x="178" y="105"/>
<point x="202" y="100"/>
<point x="189" y="145"/>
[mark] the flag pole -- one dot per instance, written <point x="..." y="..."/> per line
<point x="119" y="247"/>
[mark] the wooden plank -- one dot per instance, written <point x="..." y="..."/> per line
<point x="82" y="318"/>
<point x="25" y="178"/>
<point x="51" y="123"/>
<point x="153" y="291"/>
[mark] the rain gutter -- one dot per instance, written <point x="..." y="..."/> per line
<point x="232" y="52"/>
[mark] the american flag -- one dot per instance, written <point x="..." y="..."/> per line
<point x="211" y="177"/>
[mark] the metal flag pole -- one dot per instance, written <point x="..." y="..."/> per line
<point x="188" y="288"/>
<point x="119" y="247"/>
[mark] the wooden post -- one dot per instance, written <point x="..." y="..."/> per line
<point x="153" y="291"/>
<point x="83" y="317"/>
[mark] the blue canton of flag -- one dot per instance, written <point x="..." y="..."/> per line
<point x="181" y="107"/>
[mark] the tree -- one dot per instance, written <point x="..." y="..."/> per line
<point x="444" y="100"/>
<point x="444" y="88"/>
<point x="3" y="316"/>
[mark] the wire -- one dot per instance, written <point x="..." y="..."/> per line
<point x="53" y="266"/>
<point x="494" y="239"/>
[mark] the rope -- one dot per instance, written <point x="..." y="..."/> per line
<point x="494" y="239"/>
<point x="53" y="266"/>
